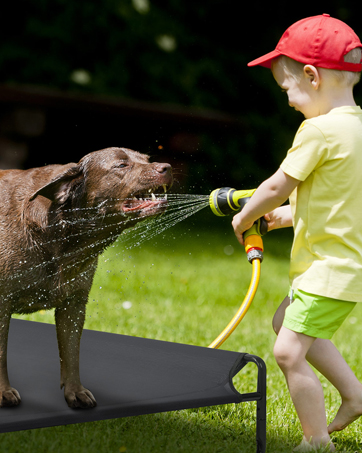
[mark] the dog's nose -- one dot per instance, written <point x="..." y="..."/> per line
<point x="163" y="168"/>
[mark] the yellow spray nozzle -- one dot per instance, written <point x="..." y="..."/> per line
<point x="259" y="228"/>
<point x="227" y="201"/>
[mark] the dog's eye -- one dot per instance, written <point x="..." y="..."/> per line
<point x="122" y="165"/>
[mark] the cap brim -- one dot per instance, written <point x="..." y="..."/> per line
<point x="265" y="60"/>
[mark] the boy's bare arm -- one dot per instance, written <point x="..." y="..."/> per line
<point x="271" y="194"/>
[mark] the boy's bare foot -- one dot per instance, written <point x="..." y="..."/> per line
<point x="348" y="412"/>
<point x="305" y="447"/>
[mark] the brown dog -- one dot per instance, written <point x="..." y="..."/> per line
<point x="54" y="222"/>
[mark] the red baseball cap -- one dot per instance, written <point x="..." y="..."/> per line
<point x="321" y="41"/>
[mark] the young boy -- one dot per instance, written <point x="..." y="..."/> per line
<point x="317" y="62"/>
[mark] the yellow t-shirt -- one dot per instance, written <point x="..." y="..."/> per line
<point x="326" y="155"/>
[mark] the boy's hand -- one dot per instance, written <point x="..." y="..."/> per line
<point x="272" y="220"/>
<point x="240" y="227"/>
<point x="279" y="218"/>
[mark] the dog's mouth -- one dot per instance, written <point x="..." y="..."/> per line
<point x="152" y="199"/>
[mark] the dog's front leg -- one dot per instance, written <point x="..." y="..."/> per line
<point x="69" y="323"/>
<point x="8" y="395"/>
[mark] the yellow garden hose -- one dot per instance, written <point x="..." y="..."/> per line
<point x="254" y="249"/>
<point x="244" y="307"/>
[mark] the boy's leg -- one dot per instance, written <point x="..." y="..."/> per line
<point x="305" y="389"/>
<point x="279" y="314"/>
<point x="325" y="357"/>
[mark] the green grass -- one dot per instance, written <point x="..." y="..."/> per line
<point x="183" y="287"/>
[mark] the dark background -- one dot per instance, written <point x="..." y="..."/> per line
<point x="168" y="78"/>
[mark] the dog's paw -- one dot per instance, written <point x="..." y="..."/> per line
<point x="9" y="397"/>
<point x="80" y="398"/>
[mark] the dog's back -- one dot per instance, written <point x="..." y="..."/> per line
<point x="18" y="217"/>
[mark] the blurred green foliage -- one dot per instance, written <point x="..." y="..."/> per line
<point x="190" y="53"/>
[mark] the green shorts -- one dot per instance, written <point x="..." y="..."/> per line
<point x="316" y="316"/>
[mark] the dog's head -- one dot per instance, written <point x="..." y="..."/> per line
<point x="117" y="177"/>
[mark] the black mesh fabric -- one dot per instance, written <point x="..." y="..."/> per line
<point x="127" y="375"/>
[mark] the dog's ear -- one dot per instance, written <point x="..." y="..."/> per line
<point x="59" y="189"/>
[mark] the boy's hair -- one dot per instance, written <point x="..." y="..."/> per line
<point x="295" y="69"/>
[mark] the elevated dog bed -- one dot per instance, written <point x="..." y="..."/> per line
<point x="127" y="375"/>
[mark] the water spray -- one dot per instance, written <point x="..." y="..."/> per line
<point x="226" y="201"/>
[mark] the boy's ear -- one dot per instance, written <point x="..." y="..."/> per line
<point x="313" y="76"/>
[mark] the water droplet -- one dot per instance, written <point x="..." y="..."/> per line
<point x="228" y="250"/>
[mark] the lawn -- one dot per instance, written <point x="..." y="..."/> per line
<point x="184" y="286"/>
